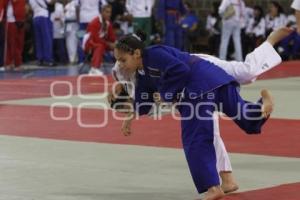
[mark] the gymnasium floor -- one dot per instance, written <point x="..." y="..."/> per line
<point x="53" y="148"/>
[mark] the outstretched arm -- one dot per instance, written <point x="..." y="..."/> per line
<point x="262" y="59"/>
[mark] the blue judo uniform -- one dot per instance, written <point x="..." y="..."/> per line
<point x="189" y="20"/>
<point x="170" y="12"/>
<point x="43" y="35"/>
<point x="207" y="88"/>
<point x="285" y="44"/>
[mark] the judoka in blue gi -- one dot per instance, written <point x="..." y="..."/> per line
<point x="244" y="72"/>
<point x="202" y="86"/>
<point x="43" y="31"/>
<point x="291" y="50"/>
<point x="189" y="25"/>
<point x="170" y="12"/>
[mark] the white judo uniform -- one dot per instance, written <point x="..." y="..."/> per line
<point x="71" y="29"/>
<point x="262" y="59"/>
<point x="296" y="5"/>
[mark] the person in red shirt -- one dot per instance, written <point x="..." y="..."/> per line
<point x="100" y="38"/>
<point x="15" y="18"/>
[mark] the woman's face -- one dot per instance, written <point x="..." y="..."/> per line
<point x="106" y="13"/>
<point x="273" y="10"/>
<point x="256" y="13"/>
<point x="128" y="62"/>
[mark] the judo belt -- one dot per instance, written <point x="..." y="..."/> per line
<point x="71" y="21"/>
<point x="172" y="11"/>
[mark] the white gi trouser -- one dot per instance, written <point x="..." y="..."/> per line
<point x="71" y="29"/>
<point x="72" y="40"/>
<point x="262" y="59"/>
<point x="231" y="28"/>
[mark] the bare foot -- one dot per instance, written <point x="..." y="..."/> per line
<point x="229" y="188"/>
<point x="278" y="35"/>
<point x="214" y="193"/>
<point x="228" y="183"/>
<point x="268" y="104"/>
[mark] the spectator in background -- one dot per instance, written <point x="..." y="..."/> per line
<point x="118" y="30"/>
<point x="213" y="26"/>
<point x="291" y="19"/>
<point x="86" y="11"/>
<point x="189" y="24"/>
<point x="141" y="12"/>
<point x="296" y="47"/>
<point x="99" y="39"/>
<point x="157" y="31"/>
<point x="276" y="18"/>
<point x="28" y="52"/>
<point x="289" y="47"/>
<point x="256" y="29"/>
<point x="296" y="6"/>
<point x="249" y="14"/>
<point x="71" y="28"/>
<point x="59" y="43"/>
<point x="169" y="12"/>
<point x="121" y="18"/>
<point x="15" y="19"/>
<point x="2" y="36"/>
<point x="118" y="9"/>
<point x="233" y="19"/>
<point x="43" y="32"/>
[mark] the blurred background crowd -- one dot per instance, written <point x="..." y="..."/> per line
<point x="73" y="32"/>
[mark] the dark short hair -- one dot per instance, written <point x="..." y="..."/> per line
<point x="129" y="43"/>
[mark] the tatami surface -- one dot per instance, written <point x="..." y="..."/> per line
<point x="46" y="159"/>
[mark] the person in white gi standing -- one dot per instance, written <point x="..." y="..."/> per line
<point x="141" y="11"/>
<point x="71" y="28"/>
<point x="233" y="18"/>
